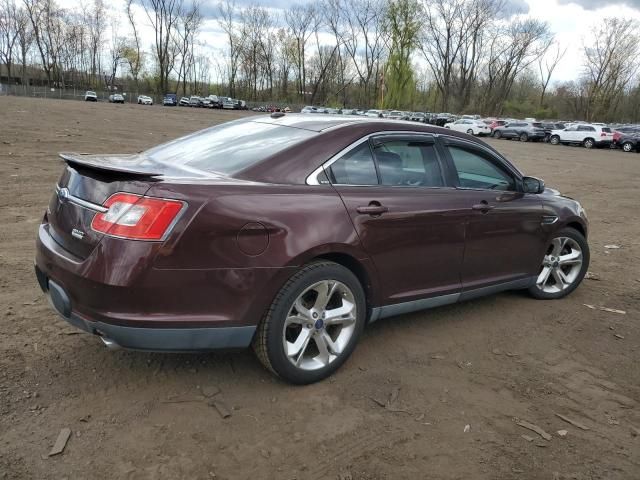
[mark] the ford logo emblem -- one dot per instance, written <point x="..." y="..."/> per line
<point x="63" y="195"/>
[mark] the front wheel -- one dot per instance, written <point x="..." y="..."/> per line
<point x="313" y="324"/>
<point x="627" y="147"/>
<point x="524" y="137"/>
<point x="564" y="265"/>
<point x="470" y="131"/>
<point x="554" y="140"/>
<point x="497" y="134"/>
<point x="588" y="143"/>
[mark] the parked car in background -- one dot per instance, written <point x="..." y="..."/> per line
<point x="214" y="101"/>
<point x="170" y="100"/>
<point x="312" y="109"/>
<point x="373" y="113"/>
<point x="550" y="127"/>
<point x="497" y="123"/>
<point x="472" y="127"/>
<point x="261" y="108"/>
<point x="229" y="103"/>
<point x="116" y="98"/>
<point x="184" y="102"/>
<point x="629" y="142"/>
<point x="90" y="96"/>
<point x="145" y="100"/>
<point x="195" y="101"/>
<point x="417" y="117"/>
<point x="622" y="130"/>
<point x="587" y="135"/>
<point x="524" y="131"/>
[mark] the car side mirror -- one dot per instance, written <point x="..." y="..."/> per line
<point x="532" y="185"/>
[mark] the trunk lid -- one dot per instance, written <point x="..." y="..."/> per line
<point x="86" y="183"/>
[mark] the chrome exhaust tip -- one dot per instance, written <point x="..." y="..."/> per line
<point x="110" y="344"/>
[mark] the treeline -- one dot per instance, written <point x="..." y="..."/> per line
<point x="459" y="56"/>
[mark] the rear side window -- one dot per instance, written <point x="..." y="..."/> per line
<point x="356" y="167"/>
<point x="606" y="129"/>
<point x="583" y="128"/>
<point x="407" y="163"/>
<point x="230" y="147"/>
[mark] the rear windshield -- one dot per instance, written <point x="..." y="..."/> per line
<point x="230" y="147"/>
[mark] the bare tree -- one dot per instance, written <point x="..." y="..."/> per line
<point x="163" y="15"/>
<point x="364" y="43"/>
<point x="228" y="19"/>
<point x="187" y="27"/>
<point x="134" y="55"/>
<point x="608" y="68"/>
<point x="302" y="21"/>
<point x="9" y="31"/>
<point x="546" y="66"/>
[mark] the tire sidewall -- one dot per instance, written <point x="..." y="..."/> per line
<point x="275" y="349"/>
<point x="586" y="257"/>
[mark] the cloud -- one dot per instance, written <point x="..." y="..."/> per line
<point x="516" y="7"/>
<point x="597" y="4"/>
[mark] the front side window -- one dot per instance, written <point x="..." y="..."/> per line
<point x="408" y="163"/>
<point x="356" y="167"/>
<point x="477" y="172"/>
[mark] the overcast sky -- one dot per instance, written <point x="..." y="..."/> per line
<point x="571" y="21"/>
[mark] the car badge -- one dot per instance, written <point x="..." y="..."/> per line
<point x="79" y="234"/>
<point x="63" y="195"/>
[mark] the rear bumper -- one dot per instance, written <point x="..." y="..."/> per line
<point x="146" y="339"/>
<point x="116" y="293"/>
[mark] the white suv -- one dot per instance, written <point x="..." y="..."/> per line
<point x="586" y="135"/>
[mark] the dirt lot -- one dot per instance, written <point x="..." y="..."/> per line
<point x="484" y="363"/>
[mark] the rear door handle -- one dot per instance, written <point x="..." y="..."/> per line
<point x="483" y="206"/>
<point x="373" y="209"/>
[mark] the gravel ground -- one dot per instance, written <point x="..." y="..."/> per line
<point x="484" y="364"/>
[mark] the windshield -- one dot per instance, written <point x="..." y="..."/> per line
<point x="230" y="147"/>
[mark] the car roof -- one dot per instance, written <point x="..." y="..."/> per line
<point x="334" y="133"/>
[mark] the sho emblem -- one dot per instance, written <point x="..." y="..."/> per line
<point x="79" y="234"/>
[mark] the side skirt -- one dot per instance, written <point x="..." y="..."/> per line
<point x="425" y="303"/>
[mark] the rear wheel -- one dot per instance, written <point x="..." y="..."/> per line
<point x="470" y="132"/>
<point x="313" y="324"/>
<point x="497" y="134"/>
<point x="588" y="143"/>
<point x="563" y="267"/>
<point x="554" y="140"/>
<point x="524" y="137"/>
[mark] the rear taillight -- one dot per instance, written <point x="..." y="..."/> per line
<point x="136" y="217"/>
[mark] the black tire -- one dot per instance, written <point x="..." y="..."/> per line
<point x="554" y="140"/>
<point x="627" y="147"/>
<point x="588" y="143"/>
<point x="498" y="134"/>
<point x="574" y="234"/>
<point x="470" y="131"/>
<point x="524" y="137"/>
<point x="267" y="342"/>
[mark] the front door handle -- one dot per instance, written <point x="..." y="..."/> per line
<point x="374" y="208"/>
<point x="483" y="206"/>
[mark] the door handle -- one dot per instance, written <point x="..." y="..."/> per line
<point x="374" y="208"/>
<point x="483" y="206"/>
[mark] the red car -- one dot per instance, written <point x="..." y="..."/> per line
<point x="292" y="232"/>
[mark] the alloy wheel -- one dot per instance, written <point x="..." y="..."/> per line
<point x="561" y="265"/>
<point x="319" y="325"/>
<point x="627" y="147"/>
<point x="588" y="143"/>
<point x="555" y="140"/>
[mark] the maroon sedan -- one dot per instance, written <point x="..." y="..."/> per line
<point x="291" y="233"/>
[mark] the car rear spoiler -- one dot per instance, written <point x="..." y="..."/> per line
<point x="130" y="164"/>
